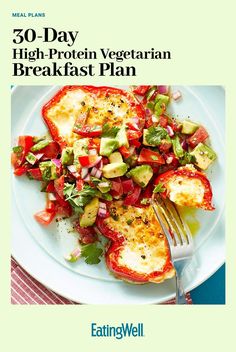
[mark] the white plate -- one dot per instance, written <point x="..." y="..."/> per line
<point x="40" y="250"/>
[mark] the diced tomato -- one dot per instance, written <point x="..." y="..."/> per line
<point x="133" y="134"/>
<point x="128" y="186"/>
<point x="163" y="121"/>
<point x="147" y="193"/>
<point x="155" y="169"/>
<point x="176" y="127"/>
<point x="89" y="160"/>
<point x="141" y="90"/>
<point x="148" y="156"/>
<point x="124" y="151"/>
<point x="51" y="151"/>
<point x="87" y="234"/>
<point x="50" y="187"/>
<point x="17" y="159"/>
<point x="133" y="197"/>
<point x="51" y="206"/>
<point x="198" y="137"/>
<point x="35" y="174"/>
<point x="135" y="142"/>
<point x="88" y="131"/>
<point x="44" y="217"/>
<point x="79" y="184"/>
<point x="116" y="187"/>
<point x="21" y="170"/>
<point x="59" y="186"/>
<point x="153" y="96"/>
<point x="64" y="211"/>
<point x="94" y="143"/>
<point x="165" y="146"/>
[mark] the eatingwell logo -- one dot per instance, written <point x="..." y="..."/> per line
<point x="119" y="331"/>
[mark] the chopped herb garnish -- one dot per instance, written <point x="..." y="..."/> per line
<point x="18" y="149"/>
<point x="155" y="135"/>
<point x="108" y="131"/>
<point x="78" y="199"/>
<point x="129" y="221"/>
<point x="187" y="158"/>
<point x="178" y="150"/>
<point x="92" y="253"/>
<point x="159" y="188"/>
<point x="145" y="201"/>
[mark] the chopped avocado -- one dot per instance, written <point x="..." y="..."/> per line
<point x="114" y="170"/>
<point x="115" y="157"/>
<point x="67" y="156"/>
<point x="204" y="155"/>
<point x="48" y="170"/>
<point x="31" y="158"/>
<point x="108" y="145"/>
<point x="80" y="148"/>
<point x="121" y="137"/>
<point x="189" y="127"/>
<point x="161" y="98"/>
<point x="145" y="132"/>
<point x="40" y="145"/>
<point x="141" y="174"/>
<point x="88" y="218"/>
<point x="104" y="186"/>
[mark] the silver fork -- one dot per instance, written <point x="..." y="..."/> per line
<point x="179" y="238"/>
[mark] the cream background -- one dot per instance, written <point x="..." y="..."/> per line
<point x="200" y="36"/>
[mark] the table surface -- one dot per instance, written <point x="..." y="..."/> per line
<point x="211" y="291"/>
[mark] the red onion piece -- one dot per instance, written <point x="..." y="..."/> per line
<point x="154" y="118"/>
<point x="39" y="156"/>
<point x="148" y="112"/>
<point x="98" y="174"/>
<point x="170" y="131"/>
<point x="84" y="172"/>
<point x="57" y="162"/>
<point x="102" y="211"/>
<point x="184" y="145"/>
<point x="163" y="89"/>
<point x="169" y="159"/>
<point x="99" y="158"/>
<point x="51" y="196"/>
<point x="87" y="178"/>
<point x="93" y="171"/>
<point x="76" y="252"/>
<point x="73" y="170"/>
<point x="100" y="165"/>
<point x="176" y="95"/>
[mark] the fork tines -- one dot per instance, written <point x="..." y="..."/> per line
<point x="173" y="226"/>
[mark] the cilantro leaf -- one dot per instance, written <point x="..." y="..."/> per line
<point x="155" y="135"/>
<point x="78" y="199"/>
<point x="108" y="131"/>
<point x="159" y="188"/>
<point x="187" y="159"/>
<point x="178" y="150"/>
<point x="92" y="253"/>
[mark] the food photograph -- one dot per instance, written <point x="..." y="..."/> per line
<point x="117" y="192"/>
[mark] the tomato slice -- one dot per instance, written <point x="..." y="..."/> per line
<point x="133" y="134"/>
<point x="35" y="174"/>
<point x="59" y="186"/>
<point x="133" y="197"/>
<point x="141" y="90"/>
<point x="22" y="170"/>
<point x="128" y="186"/>
<point x="25" y="142"/>
<point x="87" y="234"/>
<point x="124" y="151"/>
<point x="116" y="187"/>
<point x="79" y="184"/>
<point x="198" y="137"/>
<point x="163" y="121"/>
<point x="148" y="156"/>
<point x="44" y="217"/>
<point x="51" y="151"/>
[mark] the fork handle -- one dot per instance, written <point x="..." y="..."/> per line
<point x="180" y="295"/>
